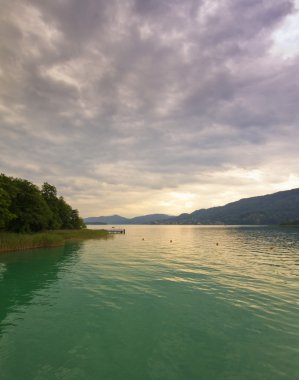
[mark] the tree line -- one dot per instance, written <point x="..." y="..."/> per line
<point x="26" y="208"/>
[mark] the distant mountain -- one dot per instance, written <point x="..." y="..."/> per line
<point x="275" y="208"/>
<point x="117" y="219"/>
<point x="111" y="219"/>
<point x="149" y="219"/>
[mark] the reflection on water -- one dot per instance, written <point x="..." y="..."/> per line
<point x="161" y="302"/>
<point x="24" y="274"/>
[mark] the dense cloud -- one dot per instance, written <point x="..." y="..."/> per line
<point x="150" y="105"/>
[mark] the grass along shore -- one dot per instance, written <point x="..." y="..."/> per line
<point x="16" y="241"/>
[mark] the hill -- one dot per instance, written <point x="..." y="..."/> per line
<point x="117" y="219"/>
<point x="274" y="208"/>
<point x="111" y="219"/>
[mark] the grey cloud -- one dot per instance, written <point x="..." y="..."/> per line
<point x="243" y="20"/>
<point x="148" y="95"/>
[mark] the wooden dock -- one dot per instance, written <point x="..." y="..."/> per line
<point x="116" y="231"/>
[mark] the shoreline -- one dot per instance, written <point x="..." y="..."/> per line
<point x="10" y="241"/>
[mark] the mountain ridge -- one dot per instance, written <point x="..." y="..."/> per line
<point x="118" y="219"/>
<point x="275" y="208"/>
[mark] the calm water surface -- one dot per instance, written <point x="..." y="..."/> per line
<point x="127" y="308"/>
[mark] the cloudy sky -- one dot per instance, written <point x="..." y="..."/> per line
<point x="142" y="106"/>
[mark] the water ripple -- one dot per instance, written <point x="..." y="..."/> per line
<point x="171" y="302"/>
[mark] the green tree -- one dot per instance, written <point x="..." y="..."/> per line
<point x="26" y="208"/>
<point x="77" y="222"/>
<point x="49" y="194"/>
<point x="5" y="215"/>
<point x="31" y="210"/>
<point x="65" y="214"/>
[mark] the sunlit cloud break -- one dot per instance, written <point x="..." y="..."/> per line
<point x="137" y="107"/>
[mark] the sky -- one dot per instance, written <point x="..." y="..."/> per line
<point x="134" y="107"/>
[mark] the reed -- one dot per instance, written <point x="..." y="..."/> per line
<point x="17" y="241"/>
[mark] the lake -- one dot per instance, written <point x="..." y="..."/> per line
<point x="159" y="303"/>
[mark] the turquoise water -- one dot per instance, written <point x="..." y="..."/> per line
<point x="128" y="308"/>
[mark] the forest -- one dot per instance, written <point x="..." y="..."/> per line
<point x="26" y="208"/>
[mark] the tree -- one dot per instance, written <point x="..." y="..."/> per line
<point x="31" y="210"/>
<point x="77" y="222"/>
<point x="26" y="208"/>
<point x="5" y="215"/>
<point x="65" y="214"/>
<point x="49" y="194"/>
